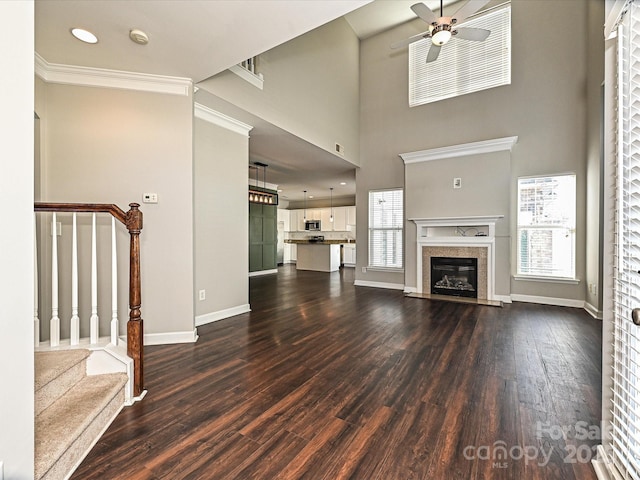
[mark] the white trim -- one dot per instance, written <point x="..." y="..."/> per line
<point x="101" y="77"/>
<point x="462" y="150"/>
<point x="538" y="278"/>
<point x="384" y="269"/>
<point x="593" y="311"/>
<point x="503" y="298"/>
<point x="611" y="23"/>
<point x="222" y="314"/>
<point x="220" y="119"/>
<point x="263" y="272"/>
<point x="255" y="79"/>
<point x="559" y="302"/>
<point x="408" y="290"/>
<point x="391" y="286"/>
<point x="169" y="338"/>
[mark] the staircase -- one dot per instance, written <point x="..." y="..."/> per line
<point x="72" y="408"/>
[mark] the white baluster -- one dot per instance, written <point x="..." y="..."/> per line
<point x="94" y="326"/>
<point x="54" y="324"/>
<point x="114" y="285"/>
<point x="75" y="320"/>
<point x="36" y="320"/>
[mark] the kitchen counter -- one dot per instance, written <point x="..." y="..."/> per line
<point x="318" y="256"/>
<point x="324" y="242"/>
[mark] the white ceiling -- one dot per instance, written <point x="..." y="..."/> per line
<point x="216" y="34"/>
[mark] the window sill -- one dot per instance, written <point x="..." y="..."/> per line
<point x="533" y="278"/>
<point x="385" y="269"/>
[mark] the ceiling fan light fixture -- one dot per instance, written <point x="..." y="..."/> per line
<point x="441" y="35"/>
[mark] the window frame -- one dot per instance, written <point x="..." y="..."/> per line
<point x="569" y="225"/>
<point x="372" y="264"/>
<point x="478" y="63"/>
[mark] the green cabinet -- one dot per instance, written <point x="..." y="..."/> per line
<point x="263" y="233"/>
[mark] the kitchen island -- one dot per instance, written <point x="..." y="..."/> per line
<point x="318" y="256"/>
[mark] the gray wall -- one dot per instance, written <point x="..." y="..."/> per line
<point x="545" y="106"/>
<point x="310" y="88"/>
<point x="104" y="145"/>
<point x="485" y="190"/>
<point x="595" y="220"/>
<point x="16" y="245"/>
<point x="221" y="213"/>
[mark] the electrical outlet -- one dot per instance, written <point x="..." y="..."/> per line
<point x="364" y="269"/>
<point x="149" y="198"/>
<point x="202" y="294"/>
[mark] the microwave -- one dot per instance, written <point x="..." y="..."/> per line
<point x="312" y="225"/>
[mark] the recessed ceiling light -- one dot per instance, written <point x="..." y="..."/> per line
<point x="343" y="183"/>
<point x="310" y="196"/>
<point x="84" y="35"/>
<point x="279" y="190"/>
<point x="139" y="37"/>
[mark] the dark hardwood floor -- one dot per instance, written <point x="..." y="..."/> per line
<point x="324" y="380"/>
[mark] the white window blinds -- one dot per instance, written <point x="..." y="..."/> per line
<point x="386" y="221"/>
<point x="546" y="226"/>
<point x="463" y="66"/>
<point x="623" y="445"/>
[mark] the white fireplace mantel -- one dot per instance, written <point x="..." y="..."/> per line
<point x="450" y="232"/>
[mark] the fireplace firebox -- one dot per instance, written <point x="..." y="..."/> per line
<point x="454" y="276"/>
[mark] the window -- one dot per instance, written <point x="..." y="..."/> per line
<point x="463" y="66"/>
<point x="386" y="220"/>
<point x="546" y="226"/>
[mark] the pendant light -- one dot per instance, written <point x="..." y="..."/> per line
<point x="305" y="205"/>
<point x="331" y="192"/>
<point x="259" y="194"/>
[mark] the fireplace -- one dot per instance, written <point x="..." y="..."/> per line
<point x="454" y="276"/>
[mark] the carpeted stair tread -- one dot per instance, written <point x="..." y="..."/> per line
<point x="50" y="365"/>
<point x="62" y="424"/>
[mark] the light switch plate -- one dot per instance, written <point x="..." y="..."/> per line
<point x="149" y="198"/>
<point x="457" y="182"/>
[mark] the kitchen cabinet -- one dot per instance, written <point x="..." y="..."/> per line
<point x="349" y="254"/>
<point x="339" y="219"/>
<point x="351" y="215"/>
<point x="342" y="218"/>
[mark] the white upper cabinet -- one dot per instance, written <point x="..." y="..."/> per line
<point x="340" y="219"/>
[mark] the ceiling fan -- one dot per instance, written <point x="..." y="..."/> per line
<point x="442" y="28"/>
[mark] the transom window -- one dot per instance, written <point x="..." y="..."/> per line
<point x="464" y="66"/>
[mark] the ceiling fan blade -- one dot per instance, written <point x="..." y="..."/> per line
<point x="424" y="12"/>
<point x="407" y="41"/>
<point x="434" y="51"/>
<point x="475" y="34"/>
<point x="468" y="9"/>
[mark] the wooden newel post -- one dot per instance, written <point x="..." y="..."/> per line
<point x="135" y="331"/>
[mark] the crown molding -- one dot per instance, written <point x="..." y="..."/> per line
<point x="100" y="77"/>
<point x="462" y="150"/>
<point x="209" y="115"/>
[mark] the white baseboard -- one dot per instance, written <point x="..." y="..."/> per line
<point x="171" y="337"/>
<point x="263" y="272"/>
<point x="560" y="302"/>
<point x="391" y="286"/>
<point x="503" y="298"/>
<point x="221" y="314"/>
<point x="408" y="290"/>
<point x="593" y="311"/>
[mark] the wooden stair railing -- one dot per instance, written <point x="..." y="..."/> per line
<point x="132" y="220"/>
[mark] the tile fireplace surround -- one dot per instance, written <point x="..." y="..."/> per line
<point x="444" y="237"/>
